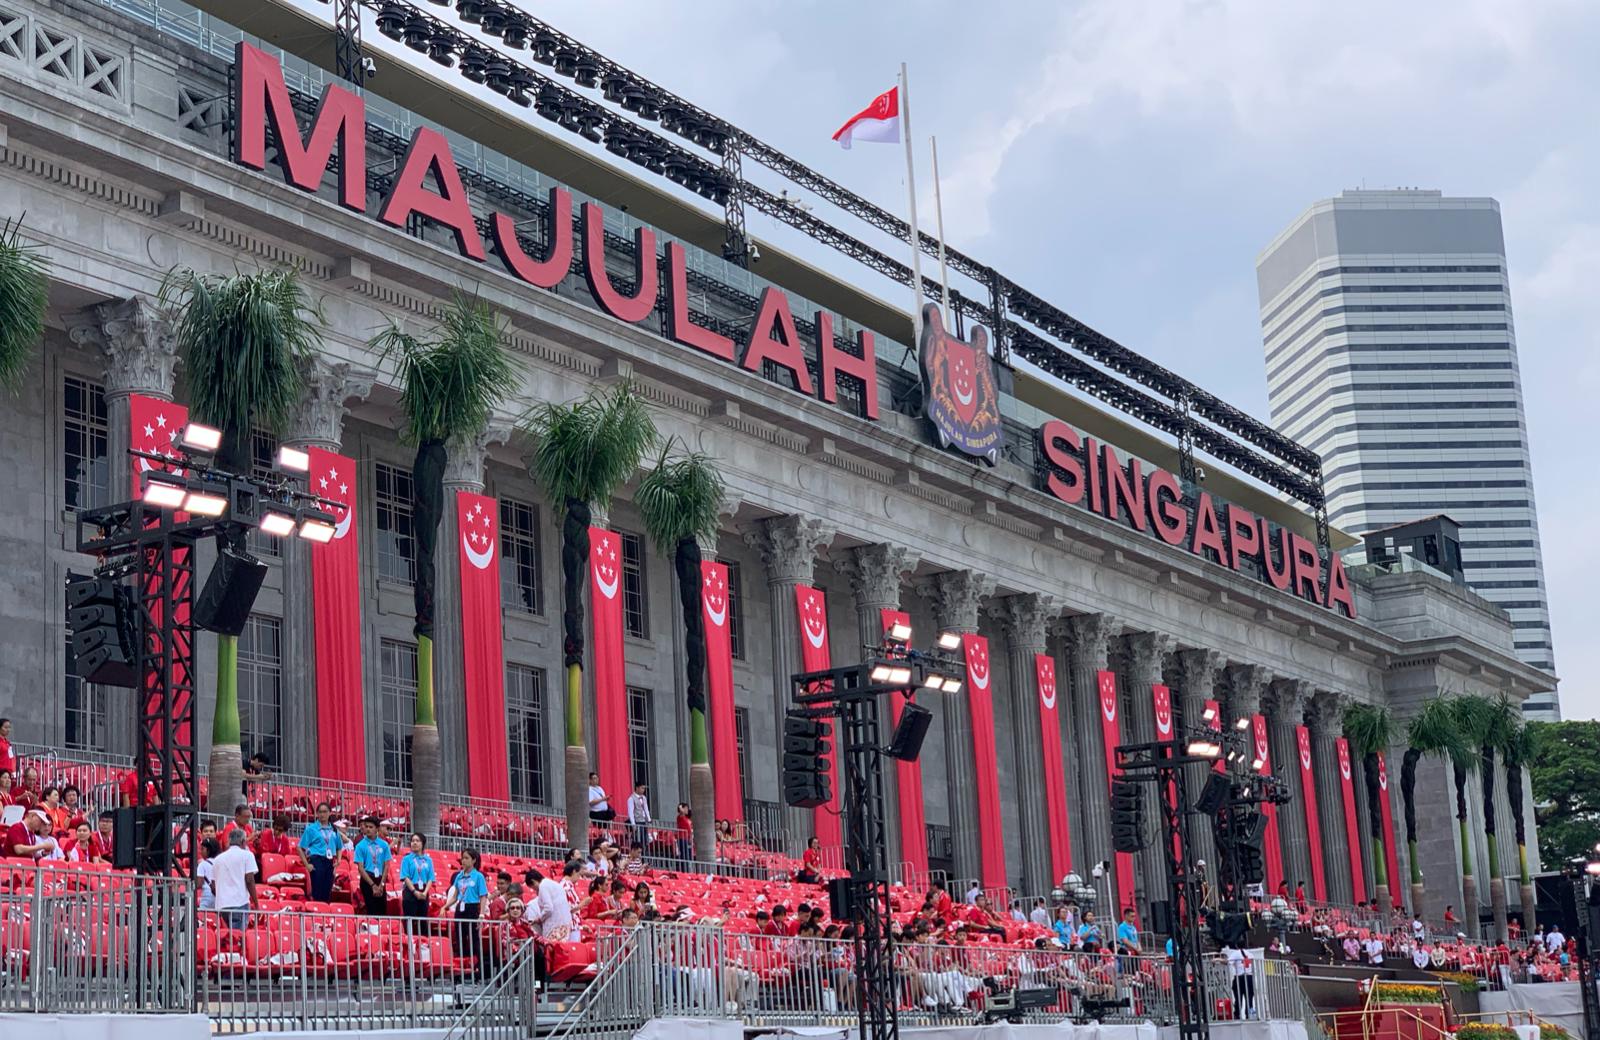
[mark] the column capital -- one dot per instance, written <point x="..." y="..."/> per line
<point x="319" y="419"/>
<point x="1324" y="709"/>
<point x="138" y="341"/>
<point x="1026" y="618"/>
<point x="1287" y="697"/>
<point x="788" y="546"/>
<point x="957" y="598"/>
<point x="1199" y="667"/>
<point x="877" y="572"/>
<point x="1246" y="683"/>
<point x="463" y="468"/>
<point x="1147" y="650"/>
<point x="1091" y="635"/>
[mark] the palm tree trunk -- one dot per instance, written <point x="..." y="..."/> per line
<point x="1497" y="884"/>
<point x="225" y="772"/>
<point x="686" y="561"/>
<point x="1520" y="824"/>
<point x="702" y="790"/>
<point x="425" y="775"/>
<point x="427" y="506"/>
<point x="1380" y="862"/>
<point x="1469" y="884"/>
<point x="1408" y="798"/>
<point x="574" y="572"/>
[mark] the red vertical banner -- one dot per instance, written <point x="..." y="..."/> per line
<point x="336" y="624"/>
<point x="1111" y="733"/>
<point x="986" y="765"/>
<point x="154" y="428"/>
<point x="1308" y="797"/>
<point x="725" y="782"/>
<point x="1161" y="697"/>
<point x="1352" y="825"/>
<point x="1055" y="767"/>
<point x="1272" y="852"/>
<point x="1391" y="851"/>
<point x="811" y="608"/>
<point x="614" y="756"/>
<point x="483" y="651"/>
<point x="908" y="779"/>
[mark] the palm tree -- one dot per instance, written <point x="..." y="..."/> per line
<point x="1367" y="728"/>
<point x="243" y="339"/>
<point x="1501" y="719"/>
<point x="450" y="382"/>
<point x="24" y="293"/>
<point x="680" y="500"/>
<point x="1518" y="753"/>
<point x="1472" y="716"/>
<point x="583" y="452"/>
<point x="1432" y="731"/>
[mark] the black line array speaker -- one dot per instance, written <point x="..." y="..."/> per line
<point x="906" y="744"/>
<point x="230" y="591"/>
<point x="101" y="617"/>
<point x="841" y="903"/>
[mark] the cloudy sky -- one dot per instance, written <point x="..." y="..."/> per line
<point x="1129" y="158"/>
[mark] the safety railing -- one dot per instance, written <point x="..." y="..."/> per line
<point x="507" y="1007"/>
<point x="84" y="940"/>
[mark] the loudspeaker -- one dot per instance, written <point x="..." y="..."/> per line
<point x="224" y="604"/>
<point x="100" y="617"/>
<point x="841" y="904"/>
<point x="1213" y="796"/>
<point x="125" y="838"/>
<point x="1161" y="917"/>
<point x="906" y="744"/>
<point x="1567" y="906"/>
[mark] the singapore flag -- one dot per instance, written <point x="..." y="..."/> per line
<point x="879" y="121"/>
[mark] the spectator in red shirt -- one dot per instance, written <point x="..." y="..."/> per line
<point x="7" y="789"/>
<point x="27" y="793"/>
<point x="684" y="825"/>
<point x="129" y="786"/>
<point x="495" y="908"/>
<point x="240" y="822"/>
<point x="981" y="917"/>
<point x="8" y="754"/>
<point x="276" y="841"/>
<point x="84" y="846"/>
<point x="810" y="872"/>
<point x="778" y="927"/>
<point x="105" y="833"/>
<point x="29" y="837"/>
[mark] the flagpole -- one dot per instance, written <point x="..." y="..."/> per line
<point x="938" y="211"/>
<point x="911" y="193"/>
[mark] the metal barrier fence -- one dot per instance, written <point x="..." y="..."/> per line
<point x="80" y="941"/>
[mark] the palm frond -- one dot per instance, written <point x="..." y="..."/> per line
<point x="585" y="449"/>
<point x="1474" y="717"/>
<point x="1367" y="727"/>
<point x="242" y="338"/>
<point x="1433" y="730"/>
<point x="680" y="498"/>
<point x="1518" y="748"/>
<point x="452" y="379"/>
<point x="24" y="294"/>
<point x="1503" y="721"/>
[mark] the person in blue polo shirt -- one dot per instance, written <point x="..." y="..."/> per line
<point x="468" y="889"/>
<point x="372" y="857"/>
<point x="416" y="879"/>
<point x="320" y="845"/>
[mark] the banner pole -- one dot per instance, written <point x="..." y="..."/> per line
<point x="911" y="208"/>
<point x="938" y="211"/>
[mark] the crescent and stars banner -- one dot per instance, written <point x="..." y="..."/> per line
<point x="1111" y="733"/>
<point x="336" y="624"/>
<point x="1161" y="698"/>
<point x="1308" y="797"/>
<point x="908" y="776"/>
<point x="811" y="609"/>
<point x="483" y="651"/>
<point x="1352" y="825"/>
<point x="615" y="759"/>
<point x="986" y="765"/>
<point x="1055" y="766"/>
<point x="719" y="686"/>
<point x="1272" y="851"/>
<point x="1391" y="850"/>
<point x="154" y="427"/>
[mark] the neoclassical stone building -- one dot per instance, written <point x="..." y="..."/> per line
<point x="119" y="158"/>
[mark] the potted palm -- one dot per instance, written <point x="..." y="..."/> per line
<point x="243" y="339"/>
<point x="583" y="452"/>
<point x="24" y="294"/>
<point x="451" y="380"/>
<point x="679" y="501"/>
<point x="1366" y="727"/>
<point x="1432" y="731"/>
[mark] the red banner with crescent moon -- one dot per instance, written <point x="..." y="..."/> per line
<point x="615" y="758"/>
<point x="1352" y="826"/>
<point x="1308" y="797"/>
<point x="1055" y="767"/>
<point x="811" y="606"/>
<point x="986" y="765"/>
<point x="483" y="652"/>
<point x="725" y="778"/>
<point x="154" y="428"/>
<point x="1272" y="852"/>
<point x="1111" y="732"/>
<point x="908" y="779"/>
<point x="1161" y="696"/>
<point x="1391" y="850"/>
<point x="336" y="624"/>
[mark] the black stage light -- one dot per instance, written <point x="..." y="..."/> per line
<point x="474" y="60"/>
<point x="495" y="20"/>
<point x="497" y="74"/>
<point x="586" y="71"/>
<point x="470" y="11"/>
<point x="549" y="103"/>
<point x="515" y="32"/>
<point x="614" y="87"/>
<point x="566" y="63"/>
<point x="522" y="80"/>
<point x="442" y="48"/>
<point x="392" y="20"/>
<point x="418" y="32"/>
<point x="544" y="46"/>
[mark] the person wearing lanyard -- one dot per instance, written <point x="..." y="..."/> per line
<point x="320" y="845"/>
<point x="467" y="890"/>
<point x="416" y="878"/>
<point x="372" y="857"/>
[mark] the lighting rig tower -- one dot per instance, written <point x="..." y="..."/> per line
<point x="143" y="635"/>
<point x="850" y="696"/>
<point x="1582" y="874"/>
<point x="349" y="61"/>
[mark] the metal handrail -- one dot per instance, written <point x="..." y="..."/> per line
<point x="486" y="1016"/>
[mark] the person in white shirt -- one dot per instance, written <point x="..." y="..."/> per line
<point x="973" y="893"/>
<point x="1374" y="950"/>
<point x="233" y="879"/>
<point x="1554" y="940"/>
<point x="1040" y="915"/>
<point x="1419" y="930"/>
<point x="1244" y="981"/>
<point x="549" y="910"/>
<point x="639" y="815"/>
<point x="599" y="805"/>
<point x="1420" y="958"/>
<point x="209" y="851"/>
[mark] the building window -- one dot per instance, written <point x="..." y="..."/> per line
<point x="84" y="448"/>
<point x="397" y="694"/>
<point x="641" y="735"/>
<point x="635" y="615"/>
<point x="519" y="557"/>
<point x="741" y="738"/>
<point x="88" y="712"/>
<point x="397" y="550"/>
<point x="261" y="688"/>
<point x="735" y="609"/>
<point x="525" y="734"/>
<point x="263" y="454"/>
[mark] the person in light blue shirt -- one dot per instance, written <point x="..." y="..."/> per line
<point x="1128" y="934"/>
<point x="416" y="880"/>
<point x="372" y="856"/>
<point x="1089" y="930"/>
<point x="468" y="890"/>
<point x="320" y="845"/>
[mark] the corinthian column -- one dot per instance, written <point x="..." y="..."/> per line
<point x="1323" y="712"/>
<point x="957" y="599"/>
<point x="1197" y="683"/>
<point x="1027" y="621"/>
<point x="1287" y="698"/>
<point x="1146" y="655"/>
<point x="1091" y="636"/>
<point x="876" y="574"/>
<point x="788" y="546"/>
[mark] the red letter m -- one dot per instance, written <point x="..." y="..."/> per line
<point x="260" y="96"/>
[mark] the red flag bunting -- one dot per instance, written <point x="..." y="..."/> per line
<point x="1111" y="732"/>
<point x="908" y="780"/>
<point x="811" y="607"/>
<point x="1391" y="851"/>
<point x="1308" y="796"/>
<point x="719" y="687"/>
<point x="478" y="528"/>
<point x="615" y="759"/>
<point x="336" y="624"/>
<point x="1055" y="770"/>
<point x="986" y="765"/>
<point x="1352" y="825"/>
